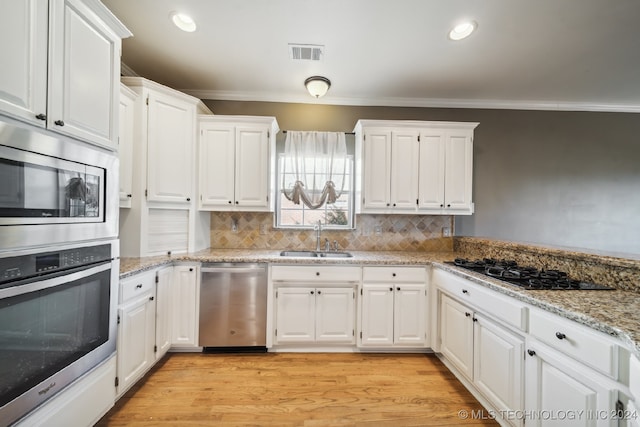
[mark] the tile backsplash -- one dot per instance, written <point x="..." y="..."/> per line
<point x="254" y="230"/>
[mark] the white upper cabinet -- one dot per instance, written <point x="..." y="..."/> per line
<point x="237" y="162"/>
<point x="125" y="144"/>
<point x="171" y="136"/>
<point x="65" y="67"/>
<point x="23" y="45"/>
<point x="415" y="167"/>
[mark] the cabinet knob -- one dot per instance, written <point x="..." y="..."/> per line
<point x="531" y="352"/>
<point x="191" y="269"/>
<point x="41" y="116"/>
<point x="59" y="122"/>
<point x="311" y="292"/>
<point x="151" y="298"/>
<point x="317" y="273"/>
<point x="398" y="288"/>
<point x="475" y="319"/>
<point x="236" y="202"/>
<point x="387" y="204"/>
<point x="464" y="291"/>
<point x="391" y="289"/>
<point x="393" y="274"/>
<point x="319" y="292"/>
<point x="560" y="335"/>
<point x="394" y="205"/>
<point x="449" y="205"/>
<point x="139" y="286"/>
<point x="129" y="195"/>
<point x="229" y="201"/>
<point x="442" y="205"/>
<point x="188" y="199"/>
<point x="466" y="313"/>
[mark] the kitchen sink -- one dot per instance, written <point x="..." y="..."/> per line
<point x="314" y="254"/>
<point x="306" y="254"/>
<point x="334" y="254"/>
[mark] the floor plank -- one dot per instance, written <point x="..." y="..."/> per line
<point x="296" y="389"/>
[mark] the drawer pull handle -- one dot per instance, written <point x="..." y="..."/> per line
<point x="531" y="352"/>
<point x="151" y="298"/>
<point x="560" y="335"/>
<point x="139" y="286"/>
<point x="464" y="291"/>
<point x="59" y="122"/>
<point x="466" y="313"/>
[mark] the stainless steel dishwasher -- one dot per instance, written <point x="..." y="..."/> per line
<point x="233" y="307"/>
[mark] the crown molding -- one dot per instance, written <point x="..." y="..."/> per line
<point x="492" y="104"/>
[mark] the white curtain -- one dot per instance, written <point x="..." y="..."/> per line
<point x="314" y="167"/>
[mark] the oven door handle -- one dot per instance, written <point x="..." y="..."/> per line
<point x="39" y="283"/>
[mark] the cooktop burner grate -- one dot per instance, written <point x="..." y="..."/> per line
<point x="526" y="277"/>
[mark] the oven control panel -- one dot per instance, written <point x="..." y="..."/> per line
<point x="24" y="266"/>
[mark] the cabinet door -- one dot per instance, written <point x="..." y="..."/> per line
<point x="217" y="166"/>
<point x="458" y="172"/>
<point x="84" y="74"/>
<point x="404" y="170"/>
<point x="498" y="366"/>
<point x="163" y="311"/>
<point x="556" y="385"/>
<point x="377" y="170"/>
<point x="377" y="314"/>
<point x="23" y="49"/>
<point x="184" y="313"/>
<point x="252" y="167"/>
<point x="295" y="315"/>
<point x="410" y="306"/>
<point x="125" y="145"/>
<point x="432" y="161"/>
<point x="335" y="315"/>
<point x="136" y="338"/>
<point x="456" y="334"/>
<point x="170" y="132"/>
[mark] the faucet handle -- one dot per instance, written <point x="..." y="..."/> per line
<point x="327" y="245"/>
<point x="335" y="245"/>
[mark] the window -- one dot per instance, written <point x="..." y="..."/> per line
<point x="338" y="215"/>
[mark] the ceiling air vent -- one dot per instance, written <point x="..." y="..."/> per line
<point x="306" y="52"/>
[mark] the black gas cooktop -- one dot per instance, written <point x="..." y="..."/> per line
<point x="526" y="277"/>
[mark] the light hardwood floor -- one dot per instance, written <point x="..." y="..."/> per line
<point x="294" y="389"/>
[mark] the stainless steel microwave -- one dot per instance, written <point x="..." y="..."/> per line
<point x="54" y="190"/>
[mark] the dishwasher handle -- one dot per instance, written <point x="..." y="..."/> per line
<point x="231" y="269"/>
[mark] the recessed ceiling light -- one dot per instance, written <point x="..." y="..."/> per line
<point x="182" y="21"/>
<point x="463" y="30"/>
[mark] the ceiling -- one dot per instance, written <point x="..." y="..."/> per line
<point x="542" y="54"/>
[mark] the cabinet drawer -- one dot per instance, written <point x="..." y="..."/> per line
<point x="315" y="274"/>
<point x="505" y="308"/>
<point x="132" y="287"/>
<point x="591" y="347"/>
<point x="394" y="274"/>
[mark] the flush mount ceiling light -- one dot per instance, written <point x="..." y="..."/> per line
<point x="317" y="85"/>
<point x="463" y="30"/>
<point x="182" y="21"/>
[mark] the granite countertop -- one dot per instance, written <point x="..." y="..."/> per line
<point x="616" y="313"/>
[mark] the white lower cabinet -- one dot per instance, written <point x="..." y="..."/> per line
<point x="561" y="392"/>
<point x="185" y="307"/>
<point x="136" y="329"/>
<point x="488" y="355"/>
<point x="164" y="318"/>
<point x="315" y="315"/>
<point x="393" y="307"/>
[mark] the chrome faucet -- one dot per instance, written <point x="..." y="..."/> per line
<point x="318" y="229"/>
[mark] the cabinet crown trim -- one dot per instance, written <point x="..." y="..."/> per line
<point x="413" y="124"/>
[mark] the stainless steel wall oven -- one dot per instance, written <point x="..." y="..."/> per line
<point x="57" y="321"/>
<point x="54" y="190"/>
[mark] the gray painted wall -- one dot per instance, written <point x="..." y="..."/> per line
<point x="568" y="179"/>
